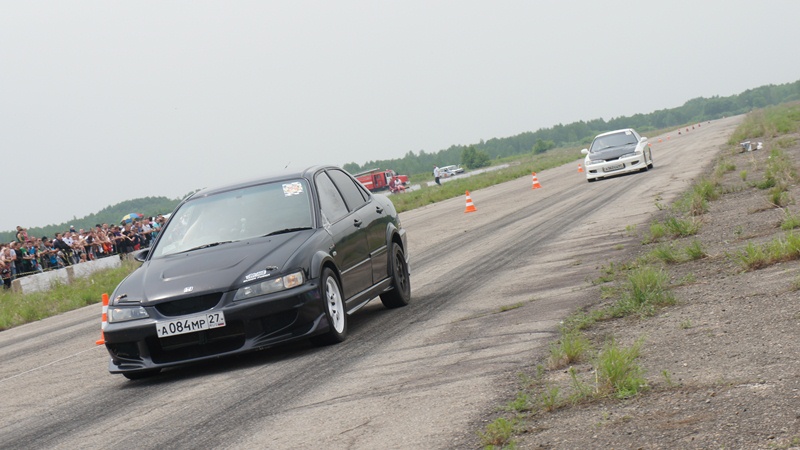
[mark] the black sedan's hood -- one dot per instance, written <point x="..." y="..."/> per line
<point x="612" y="152"/>
<point x="215" y="269"/>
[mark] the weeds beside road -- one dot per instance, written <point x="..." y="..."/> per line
<point x="695" y="341"/>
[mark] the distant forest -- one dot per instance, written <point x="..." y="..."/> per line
<point x="480" y="154"/>
<point x="581" y="133"/>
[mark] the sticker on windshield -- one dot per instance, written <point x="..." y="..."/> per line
<point x="627" y="133"/>
<point x="290" y="189"/>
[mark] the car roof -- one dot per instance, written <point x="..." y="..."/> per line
<point x="306" y="173"/>
<point x="622" y="130"/>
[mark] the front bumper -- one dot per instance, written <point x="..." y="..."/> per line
<point x="251" y="324"/>
<point x="615" y="167"/>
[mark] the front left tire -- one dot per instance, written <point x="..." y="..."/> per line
<point x="334" y="310"/>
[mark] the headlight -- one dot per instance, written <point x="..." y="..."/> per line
<point x="267" y="287"/>
<point x="596" y="161"/>
<point x="126" y="313"/>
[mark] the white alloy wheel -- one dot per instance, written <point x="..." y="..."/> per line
<point x="335" y="305"/>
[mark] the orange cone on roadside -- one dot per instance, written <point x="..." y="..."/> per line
<point x="580" y="168"/>
<point x="104" y="321"/>
<point x="536" y="184"/>
<point x="470" y="206"/>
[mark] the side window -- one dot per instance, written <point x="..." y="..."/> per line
<point x="330" y="201"/>
<point x="350" y="191"/>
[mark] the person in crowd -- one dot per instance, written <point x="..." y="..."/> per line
<point x="118" y="239"/>
<point x="5" y="274"/>
<point x="22" y="234"/>
<point x="146" y="231"/>
<point x="65" y="249"/>
<point x="17" y="248"/>
<point x="30" y="258"/>
<point x="103" y="240"/>
<point x="156" y="225"/>
<point x="127" y="242"/>
<point x="9" y="257"/>
<point x="42" y="253"/>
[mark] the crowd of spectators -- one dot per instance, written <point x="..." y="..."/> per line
<point x="27" y="255"/>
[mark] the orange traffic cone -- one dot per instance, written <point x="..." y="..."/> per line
<point x="536" y="184"/>
<point x="470" y="206"/>
<point x="104" y="321"/>
<point x="580" y="168"/>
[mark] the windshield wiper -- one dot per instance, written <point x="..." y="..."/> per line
<point x="287" y="230"/>
<point x="213" y="244"/>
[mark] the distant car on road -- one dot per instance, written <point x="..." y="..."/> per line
<point x="449" y="171"/>
<point x="255" y="264"/>
<point x="617" y="152"/>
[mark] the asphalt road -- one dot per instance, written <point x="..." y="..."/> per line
<point x="416" y="377"/>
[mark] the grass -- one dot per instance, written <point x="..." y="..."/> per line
<point x="17" y="309"/>
<point x="618" y="372"/>
<point x="646" y="289"/>
<point x="498" y="432"/>
<point x="572" y="347"/>
<point x="768" y="122"/>
<point x="682" y="227"/>
<point x="754" y="256"/>
<point x="695" y="202"/>
<point x="790" y="221"/>
<point x="695" y="251"/>
<point x="667" y="253"/>
<point x="672" y="226"/>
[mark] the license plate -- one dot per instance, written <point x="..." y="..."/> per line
<point x="613" y="168"/>
<point x="190" y="324"/>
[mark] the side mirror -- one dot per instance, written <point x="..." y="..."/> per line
<point x="142" y="254"/>
<point x="585" y="151"/>
<point x="642" y="139"/>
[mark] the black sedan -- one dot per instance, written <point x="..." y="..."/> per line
<point x="255" y="264"/>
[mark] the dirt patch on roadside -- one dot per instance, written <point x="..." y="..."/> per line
<point x="723" y="364"/>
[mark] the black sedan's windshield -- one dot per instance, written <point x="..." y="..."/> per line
<point x="235" y="215"/>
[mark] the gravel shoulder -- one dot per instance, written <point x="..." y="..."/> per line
<point x="722" y="364"/>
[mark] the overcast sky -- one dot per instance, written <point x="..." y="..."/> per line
<point x="106" y="101"/>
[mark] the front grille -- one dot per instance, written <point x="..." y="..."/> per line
<point x="196" y="345"/>
<point x="189" y="305"/>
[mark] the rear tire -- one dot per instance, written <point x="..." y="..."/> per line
<point x="334" y="310"/>
<point x="400" y="294"/>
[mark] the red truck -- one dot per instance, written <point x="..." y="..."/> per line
<point x="377" y="179"/>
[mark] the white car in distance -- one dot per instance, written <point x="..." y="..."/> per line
<point x="617" y="152"/>
<point x="449" y="171"/>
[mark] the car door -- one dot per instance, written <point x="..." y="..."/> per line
<point x="374" y="219"/>
<point x="350" y="251"/>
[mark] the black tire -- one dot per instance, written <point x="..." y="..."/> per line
<point x="650" y="166"/>
<point x="334" y="310"/>
<point x="400" y="294"/>
<point x="142" y="374"/>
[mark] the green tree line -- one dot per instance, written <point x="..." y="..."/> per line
<point x="582" y="132"/>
